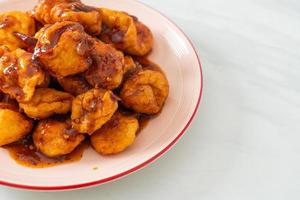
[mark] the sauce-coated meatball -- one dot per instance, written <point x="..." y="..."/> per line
<point x="126" y="33"/>
<point x="145" y="91"/>
<point x="63" y="48"/>
<point x="13" y="125"/>
<point x="47" y="102"/>
<point x="107" y="68"/>
<point x="116" y="135"/>
<point x="92" y="109"/>
<point x="12" y="22"/>
<point x="19" y="74"/>
<point x="56" y="138"/>
<point x="51" y="11"/>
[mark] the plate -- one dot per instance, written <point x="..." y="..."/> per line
<point x="176" y="55"/>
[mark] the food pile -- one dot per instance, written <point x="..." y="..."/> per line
<point x="71" y="72"/>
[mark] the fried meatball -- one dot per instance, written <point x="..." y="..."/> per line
<point x="126" y="33"/>
<point x="116" y="135"/>
<point x="107" y="68"/>
<point x="56" y="138"/>
<point x="63" y="48"/>
<point x="13" y="125"/>
<point x="75" y="85"/>
<point x="19" y="74"/>
<point x="15" y="21"/>
<point x="47" y="102"/>
<point x="51" y="11"/>
<point x="145" y="91"/>
<point x="92" y="109"/>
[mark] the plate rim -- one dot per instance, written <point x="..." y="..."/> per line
<point x="143" y="164"/>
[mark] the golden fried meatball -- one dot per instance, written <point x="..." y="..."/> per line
<point x="13" y="125"/>
<point x="116" y="135"/>
<point x="92" y="109"/>
<point x="47" y="102"/>
<point x="15" y="21"/>
<point x="19" y="74"/>
<point x="145" y="91"/>
<point x="107" y="68"/>
<point x="56" y="138"/>
<point x="64" y="49"/>
<point x="125" y="32"/>
<point x="75" y="85"/>
<point x="51" y="11"/>
<point x="129" y="64"/>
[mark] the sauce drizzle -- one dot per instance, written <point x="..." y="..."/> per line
<point x="54" y="38"/>
<point x="79" y="7"/>
<point x="28" y="41"/>
<point x="25" y="153"/>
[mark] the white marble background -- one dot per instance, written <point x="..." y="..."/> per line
<point x="245" y="141"/>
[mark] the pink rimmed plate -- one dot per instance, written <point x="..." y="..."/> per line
<point x="176" y="55"/>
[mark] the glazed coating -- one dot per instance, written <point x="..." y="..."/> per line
<point x="9" y="103"/>
<point x="13" y="125"/>
<point x="56" y="138"/>
<point x="107" y="68"/>
<point x="129" y="64"/>
<point x="28" y="42"/>
<point x="126" y="33"/>
<point x="47" y="102"/>
<point x="64" y="48"/>
<point x="15" y="21"/>
<point x="145" y="91"/>
<point x="52" y="11"/>
<point x="116" y="135"/>
<point x="19" y="74"/>
<point x="92" y="109"/>
<point x="46" y="82"/>
<point x="75" y="85"/>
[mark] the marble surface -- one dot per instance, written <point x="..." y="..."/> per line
<point x="244" y="142"/>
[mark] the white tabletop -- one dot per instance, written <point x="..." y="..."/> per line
<point x="244" y="142"/>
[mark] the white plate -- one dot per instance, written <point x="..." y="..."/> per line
<point x="177" y="57"/>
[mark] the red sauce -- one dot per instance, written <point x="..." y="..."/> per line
<point x="79" y="7"/>
<point x="9" y="78"/>
<point x="28" y="41"/>
<point x="104" y="65"/>
<point x="25" y="153"/>
<point x="112" y="35"/>
<point x="84" y="46"/>
<point x="117" y="36"/>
